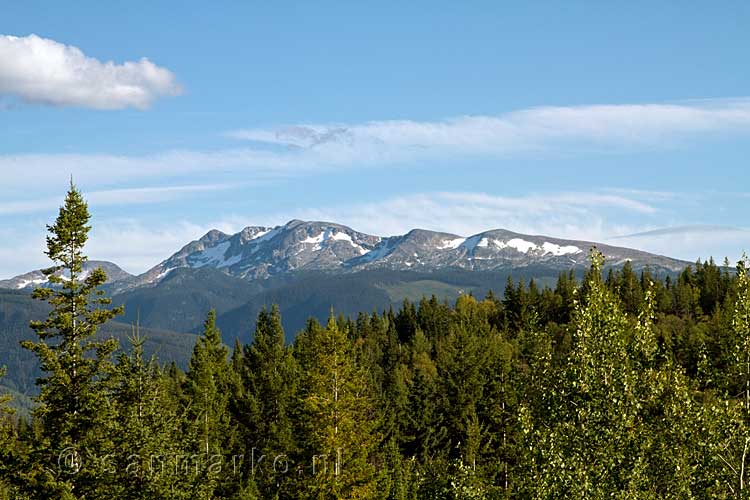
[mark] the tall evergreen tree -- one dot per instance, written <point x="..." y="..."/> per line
<point x="212" y="431"/>
<point x="146" y="429"/>
<point x="337" y="419"/>
<point x="72" y="404"/>
<point x="7" y="438"/>
<point x="269" y="379"/>
<point x="5" y="413"/>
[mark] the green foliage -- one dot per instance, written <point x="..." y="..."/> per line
<point x="7" y="438"/>
<point x="617" y="387"/>
<point x="209" y="427"/>
<point x="617" y="423"/>
<point x="337" y="431"/>
<point x="73" y="401"/>
<point x="144" y="430"/>
<point x="265" y="405"/>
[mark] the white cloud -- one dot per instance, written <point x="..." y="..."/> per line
<point x="629" y="125"/>
<point x="40" y="70"/>
<point x="698" y="230"/>
<point x="590" y="216"/>
<point x="564" y="215"/>
<point x="129" y="196"/>
<point x="304" y="150"/>
<point x="692" y="242"/>
<point x="597" y="216"/>
<point x="136" y="246"/>
<point x="91" y="170"/>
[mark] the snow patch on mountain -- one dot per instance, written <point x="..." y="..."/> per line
<point x="452" y="244"/>
<point x="259" y="252"/>
<point x="163" y="274"/>
<point x="25" y="283"/>
<point x="518" y="244"/>
<point x="213" y="256"/>
<point x="332" y="235"/>
<point x="559" y="250"/>
<point x="380" y="251"/>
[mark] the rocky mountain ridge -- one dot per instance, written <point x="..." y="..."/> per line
<point x="257" y="253"/>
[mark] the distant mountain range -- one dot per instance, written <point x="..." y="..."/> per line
<point x="258" y="253"/>
<point x="306" y="268"/>
<point x="37" y="278"/>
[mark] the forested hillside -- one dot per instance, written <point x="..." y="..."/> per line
<point x="615" y="386"/>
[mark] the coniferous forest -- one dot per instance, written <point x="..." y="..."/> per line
<point x="617" y="386"/>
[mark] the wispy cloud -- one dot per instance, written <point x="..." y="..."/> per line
<point x="631" y="125"/>
<point x="138" y="244"/>
<point x="40" y="70"/>
<point x="130" y="196"/>
<point x="698" y="230"/>
<point x="591" y="216"/>
<point x="303" y="150"/>
<point x="691" y="242"/>
<point x="134" y="244"/>
<point x="568" y="215"/>
<point x="96" y="169"/>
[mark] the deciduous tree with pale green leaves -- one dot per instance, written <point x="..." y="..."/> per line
<point x="615" y="421"/>
<point x="730" y="423"/>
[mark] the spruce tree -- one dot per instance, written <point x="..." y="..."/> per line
<point x="145" y="430"/>
<point x="269" y="381"/>
<point x="7" y="438"/>
<point x="209" y="426"/>
<point x="72" y="404"/>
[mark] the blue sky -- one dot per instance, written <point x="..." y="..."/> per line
<point x="571" y="119"/>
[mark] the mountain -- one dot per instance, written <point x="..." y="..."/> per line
<point x="37" y="278"/>
<point x="17" y="308"/>
<point x="262" y="252"/>
<point x="306" y="268"/>
<point x="259" y="253"/>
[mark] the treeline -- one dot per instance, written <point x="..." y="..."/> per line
<point x="618" y="386"/>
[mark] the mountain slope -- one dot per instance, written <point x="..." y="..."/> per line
<point x="258" y="253"/>
<point x="17" y="308"/>
<point x="36" y="278"/>
<point x="307" y="268"/>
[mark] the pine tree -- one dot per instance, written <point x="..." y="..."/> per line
<point x="7" y="438"/>
<point x="73" y="396"/>
<point x="424" y="427"/>
<point x="145" y="429"/>
<point x="269" y="380"/>
<point x="337" y="418"/>
<point x="393" y="385"/>
<point x="208" y="389"/>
